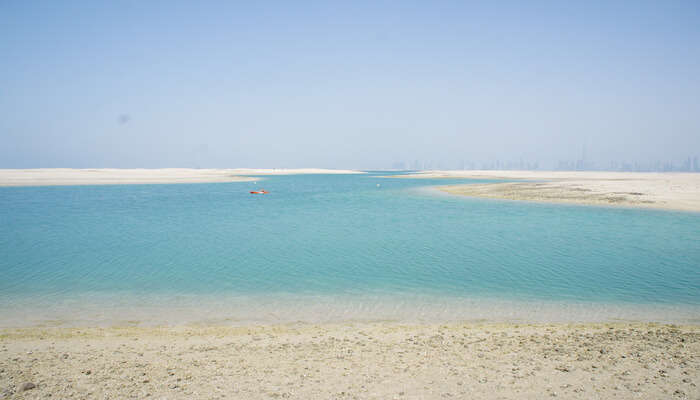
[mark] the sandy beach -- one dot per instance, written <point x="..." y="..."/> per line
<point x="107" y="176"/>
<point x="353" y="361"/>
<point x="671" y="191"/>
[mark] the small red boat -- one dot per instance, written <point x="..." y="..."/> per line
<point x="262" y="191"/>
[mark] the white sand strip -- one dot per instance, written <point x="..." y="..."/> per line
<point x="108" y="176"/>
<point x="297" y="171"/>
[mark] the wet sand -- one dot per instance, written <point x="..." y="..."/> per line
<point x="107" y="176"/>
<point x="354" y="361"/>
<point x="670" y="191"/>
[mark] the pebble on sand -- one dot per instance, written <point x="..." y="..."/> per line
<point x="26" y="386"/>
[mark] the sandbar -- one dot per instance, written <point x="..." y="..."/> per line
<point x="294" y="171"/>
<point x="670" y="191"/>
<point x="114" y="176"/>
<point x="377" y="360"/>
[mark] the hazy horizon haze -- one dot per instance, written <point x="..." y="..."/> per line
<point x="346" y="85"/>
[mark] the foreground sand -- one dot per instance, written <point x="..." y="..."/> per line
<point x="672" y="191"/>
<point x="68" y="176"/>
<point x="354" y="361"/>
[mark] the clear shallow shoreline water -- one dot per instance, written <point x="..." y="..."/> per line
<point x="272" y="309"/>
<point x="333" y="248"/>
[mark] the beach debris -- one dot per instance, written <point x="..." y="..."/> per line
<point x="563" y="368"/>
<point x="26" y="386"/>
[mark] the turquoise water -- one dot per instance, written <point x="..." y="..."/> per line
<point x="336" y="247"/>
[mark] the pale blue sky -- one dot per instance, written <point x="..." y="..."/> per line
<point x="345" y="84"/>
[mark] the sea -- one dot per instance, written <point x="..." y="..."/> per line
<point x="335" y="248"/>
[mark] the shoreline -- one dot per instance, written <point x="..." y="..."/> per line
<point x="354" y="361"/>
<point x="665" y="191"/>
<point x="250" y="310"/>
<point x="116" y="176"/>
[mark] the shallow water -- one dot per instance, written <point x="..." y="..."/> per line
<point x="335" y="247"/>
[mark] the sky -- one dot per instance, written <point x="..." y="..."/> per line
<point x="353" y="84"/>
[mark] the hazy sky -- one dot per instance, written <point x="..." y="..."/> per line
<point x="349" y="84"/>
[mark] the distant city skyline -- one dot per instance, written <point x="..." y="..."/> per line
<point x="689" y="164"/>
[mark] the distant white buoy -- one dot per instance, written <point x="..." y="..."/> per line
<point x="378" y="185"/>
